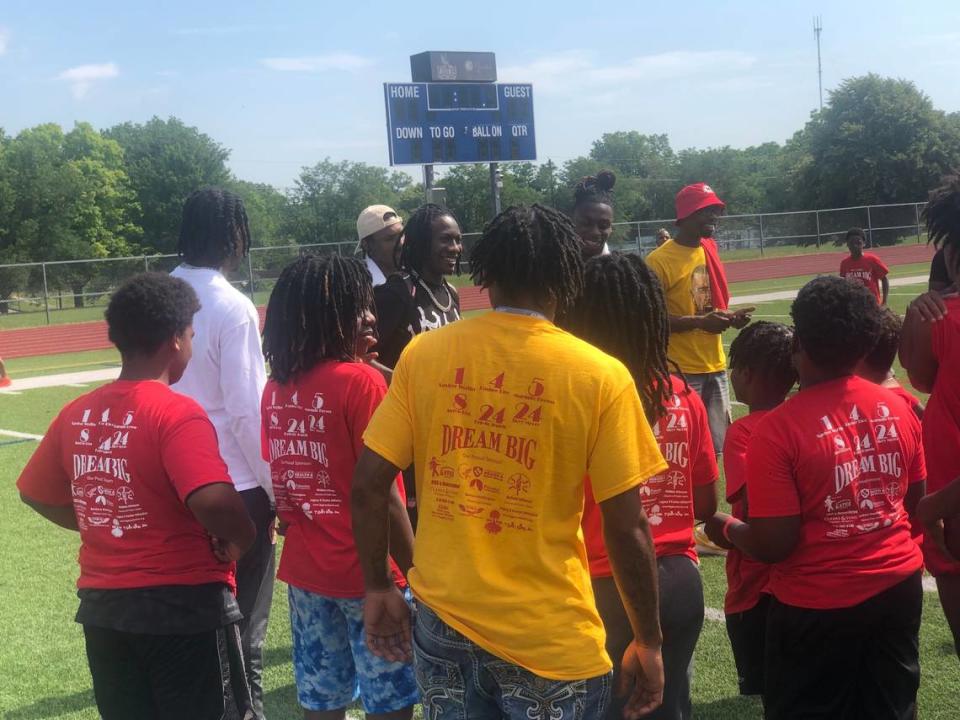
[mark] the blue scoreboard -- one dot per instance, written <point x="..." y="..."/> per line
<point x="435" y="123"/>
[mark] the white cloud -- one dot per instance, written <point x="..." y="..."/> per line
<point x="4" y="39"/>
<point x="575" y="73"/>
<point x="82" y="77"/>
<point x="318" y="63"/>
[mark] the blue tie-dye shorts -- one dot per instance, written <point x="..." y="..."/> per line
<point x="332" y="664"/>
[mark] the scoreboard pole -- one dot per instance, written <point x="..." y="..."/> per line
<point x="495" y="185"/>
<point x="428" y="182"/>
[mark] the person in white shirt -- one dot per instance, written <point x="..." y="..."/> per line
<point x="226" y="376"/>
<point x="379" y="230"/>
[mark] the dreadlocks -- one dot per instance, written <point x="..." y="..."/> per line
<point x="595" y="189"/>
<point x="314" y="314"/>
<point x="942" y="215"/>
<point x="623" y="312"/>
<point x="418" y="237"/>
<point x="214" y="227"/>
<point x="766" y="348"/>
<point x="531" y="249"/>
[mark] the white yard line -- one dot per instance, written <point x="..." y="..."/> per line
<point x="20" y="435"/>
<point x="791" y="294"/>
<point x="75" y="379"/>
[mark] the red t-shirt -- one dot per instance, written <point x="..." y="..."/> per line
<point x="746" y="577"/>
<point x="941" y="422"/>
<point x="909" y="398"/>
<point x="683" y="435"/>
<point x="128" y="455"/>
<point x="868" y="270"/>
<point x="841" y="455"/>
<point x="312" y="437"/>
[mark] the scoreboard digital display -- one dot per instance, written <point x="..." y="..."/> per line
<point x="446" y="123"/>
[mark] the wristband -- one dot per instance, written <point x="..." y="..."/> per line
<point x="725" y="530"/>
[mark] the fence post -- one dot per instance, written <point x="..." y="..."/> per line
<point x="869" y="228"/>
<point x="251" y="288"/>
<point x="818" y="228"/>
<point x="146" y="264"/>
<point x="46" y="297"/>
<point x="761" y="235"/>
<point x="916" y="209"/>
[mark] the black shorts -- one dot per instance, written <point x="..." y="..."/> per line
<point x="854" y="663"/>
<point x="748" y="632"/>
<point x="163" y="677"/>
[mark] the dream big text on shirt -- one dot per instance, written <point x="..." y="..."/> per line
<point x="868" y="270"/>
<point x="686" y="285"/>
<point x="841" y="454"/>
<point x="683" y="435"/>
<point x="127" y="455"/>
<point x="502" y="416"/>
<point x="312" y="436"/>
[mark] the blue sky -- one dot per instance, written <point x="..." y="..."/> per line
<point x="285" y="84"/>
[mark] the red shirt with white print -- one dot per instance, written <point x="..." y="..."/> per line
<point x="941" y="423"/>
<point x="868" y="270"/>
<point x="746" y="578"/>
<point x="841" y="455"/>
<point x="312" y="437"/>
<point x="128" y="455"/>
<point x="683" y="435"/>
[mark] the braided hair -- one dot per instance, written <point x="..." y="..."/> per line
<point x="766" y="348"/>
<point x="314" y="314"/>
<point x="942" y="215"/>
<point x="623" y="312"/>
<point x="418" y="237"/>
<point x="214" y="227"/>
<point x="595" y="189"/>
<point x="532" y="249"/>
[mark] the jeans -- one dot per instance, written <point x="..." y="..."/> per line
<point x="255" y="576"/>
<point x="681" y="619"/>
<point x="458" y="680"/>
<point x="712" y="389"/>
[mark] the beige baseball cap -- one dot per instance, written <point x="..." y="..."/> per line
<point x="374" y="219"/>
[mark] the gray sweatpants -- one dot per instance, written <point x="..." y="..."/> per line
<point x="681" y="619"/>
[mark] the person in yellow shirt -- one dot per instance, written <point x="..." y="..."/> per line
<point x="503" y="415"/>
<point x="695" y="286"/>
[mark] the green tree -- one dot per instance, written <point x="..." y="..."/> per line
<point x="166" y="160"/>
<point x="73" y="201"/>
<point x="878" y="140"/>
<point x="267" y="209"/>
<point x="328" y="197"/>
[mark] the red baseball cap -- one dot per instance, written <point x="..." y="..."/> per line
<point x="696" y="197"/>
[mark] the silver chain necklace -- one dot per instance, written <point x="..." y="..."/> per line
<point x="433" y="297"/>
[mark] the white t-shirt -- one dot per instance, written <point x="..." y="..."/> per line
<point x="375" y="272"/>
<point x="227" y="373"/>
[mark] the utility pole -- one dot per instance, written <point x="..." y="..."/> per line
<point x="817" y="29"/>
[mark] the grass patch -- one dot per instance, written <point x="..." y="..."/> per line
<point x="45" y="672"/>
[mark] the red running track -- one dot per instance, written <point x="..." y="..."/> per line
<point x="78" y="337"/>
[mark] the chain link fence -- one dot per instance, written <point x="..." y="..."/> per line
<point x="63" y="291"/>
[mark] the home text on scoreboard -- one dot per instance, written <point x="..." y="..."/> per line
<point x="434" y="123"/>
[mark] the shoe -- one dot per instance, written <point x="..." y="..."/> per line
<point x="5" y="381"/>
<point x="704" y="545"/>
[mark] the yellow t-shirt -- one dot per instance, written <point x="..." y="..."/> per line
<point x="683" y="273"/>
<point x="503" y="415"/>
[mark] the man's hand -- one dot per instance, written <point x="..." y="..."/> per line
<point x="641" y="677"/>
<point x="386" y="619"/>
<point x="225" y="551"/>
<point x="715" y="322"/>
<point x="930" y="306"/>
<point x="741" y="318"/>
